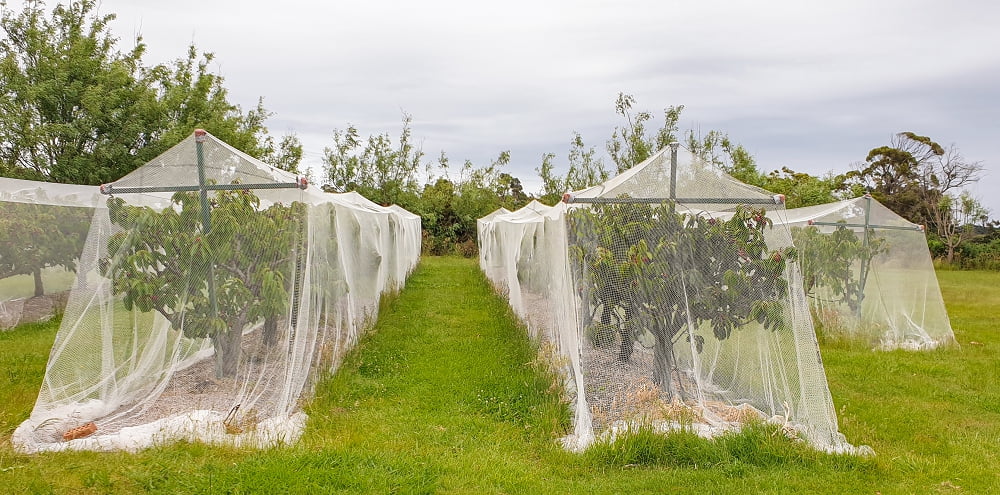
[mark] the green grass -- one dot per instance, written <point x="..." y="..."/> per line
<point x="442" y="398"/>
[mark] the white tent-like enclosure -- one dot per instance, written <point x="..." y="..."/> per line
<point x="210" y="294"/>
<point x="869" y="275"/>
<point x="42" y="230"/>
<point x="670" y="300"/>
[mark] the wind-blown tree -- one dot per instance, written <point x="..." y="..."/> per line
<point x="652" y="268"/>
<point x="162" y="260"/>
<point x="34" y="237"/>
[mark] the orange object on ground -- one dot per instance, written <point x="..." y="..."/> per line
<point x="80" y="431"/>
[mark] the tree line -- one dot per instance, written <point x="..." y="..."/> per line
<point x="76" y="108"/>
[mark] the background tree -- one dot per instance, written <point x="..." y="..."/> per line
<point x="34" y="237"/>
<point x="161" y="262"/>
<point x="586" y="169"/>
<point x="286" y="155"/>
<point x="192" y="97"/>
<point x="959" y="219"/>
<point x="631" y="144"/>
<point x="553" y="185"/>
<point x="72" y="108"/>
<point x="918" y="178"/>
<point x="378" y="169"/>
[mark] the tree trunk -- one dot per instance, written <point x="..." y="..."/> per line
<point x="627" y="336"/>
<point x="228" y="351"/>
<point x="663" y="358"/>
<point x="39" y="289"/>
<point x="663" y="361"/>
<point x="270" y="330"/>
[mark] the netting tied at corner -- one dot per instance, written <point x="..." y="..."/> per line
<point x="669" y="298"/>
<point x="869" y="276"/>
<point x="212" y="291"/>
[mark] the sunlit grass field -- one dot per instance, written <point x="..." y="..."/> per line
<point x="443" y="397"/>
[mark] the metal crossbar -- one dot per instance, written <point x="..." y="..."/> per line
<point x="691" y="201"/>
<point x="859" y="225"/>
<point x="110" y="189"/>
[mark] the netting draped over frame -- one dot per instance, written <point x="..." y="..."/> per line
<point x="877" y="286"/>
<point x="210" y="317"/>
<point x="669" y="300"/>
<point x="42" y="230"/>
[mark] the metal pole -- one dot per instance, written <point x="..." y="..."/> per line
<point x="673" y="169"/>
<point x="867" y="259"/>
<point x="206" y="218"/>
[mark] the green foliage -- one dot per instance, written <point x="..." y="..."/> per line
<point x="207" y="283"/>
<point x="191" y="97"/>
<point x="918" y="179"/>
<point x="837" y="262"/>
<point x="630" y="145"/>
<point x="585" y="170"/>
<point x="381" y="171"/>
<point x="34" y="237"/>
<point x="651" y="268"/>
<point x="72" y="108"/>
<point x="450" y="209"/>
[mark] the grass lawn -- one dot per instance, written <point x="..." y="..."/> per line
<point x="442" y="398"/>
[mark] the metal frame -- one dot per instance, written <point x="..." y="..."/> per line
<point x="774" y="200"/>
<point x="200" y="136"/>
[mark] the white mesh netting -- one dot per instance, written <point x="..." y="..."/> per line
<point x="671" y="313"/>
<point x="212" y="324"/>
<point x="42" y="230"/>
<point x="874" y="284"/>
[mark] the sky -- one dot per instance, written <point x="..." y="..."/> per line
<point x="811" y="85"/>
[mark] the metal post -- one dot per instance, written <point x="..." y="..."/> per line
<point x="206" y="217"/>
<point x="673" y="169"/>
<point x="864" y="262"/>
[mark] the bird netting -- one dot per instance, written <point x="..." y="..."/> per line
<point x="211" y="293"/>
<point x="42" y="230"/>
<point x="868" y="275"/>
<point x="671" y="299"/>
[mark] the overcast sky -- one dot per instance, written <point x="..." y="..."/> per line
<point x="812" y="85"/>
